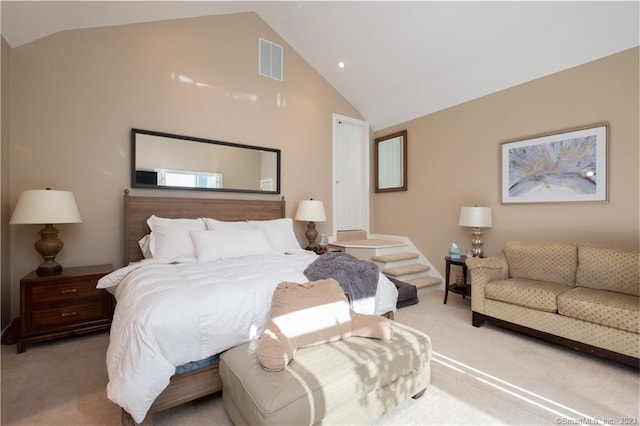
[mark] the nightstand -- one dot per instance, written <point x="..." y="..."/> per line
<point x="63" y="305"/>
<point x="463" y="289"/>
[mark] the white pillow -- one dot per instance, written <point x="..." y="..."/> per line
<point x="170" y="237"/>
<point x="145" y="246"/>
<point x="220" y="244"/>
<point x="222" y="224"/>
<point x="280" y="233"/>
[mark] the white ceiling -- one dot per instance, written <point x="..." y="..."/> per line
<point x="403" y="59"/>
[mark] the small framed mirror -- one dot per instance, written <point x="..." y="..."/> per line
<point x="391" y="162"/>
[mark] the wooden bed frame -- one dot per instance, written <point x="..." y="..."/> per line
<point x="195" y="384"/>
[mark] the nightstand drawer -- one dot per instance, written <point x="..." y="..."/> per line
<point x="62" y="305"/>
<point x="68" y="290"/>
<point x="69" y="314"/>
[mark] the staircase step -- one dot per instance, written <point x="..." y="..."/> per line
<point x="351" y="235"/>
<point x="427" y="281"/>
<point x="398" y="271"/>
<point x="395" y="257"/>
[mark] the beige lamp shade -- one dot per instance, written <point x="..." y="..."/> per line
<point x="43" y="206"/>
<point x="311" y="211"/>
<point x="475" y="217"/>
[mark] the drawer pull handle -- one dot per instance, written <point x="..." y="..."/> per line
<point x="70" y="290"/>
<point x="69" y="314"/>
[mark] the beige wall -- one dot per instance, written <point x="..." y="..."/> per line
<point x="454" y="161"/>
<point x="76" y="95"/>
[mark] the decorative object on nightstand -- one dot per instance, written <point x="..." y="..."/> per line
<point x="476" y="218"/>
<point x="46" y="206"/>
<point x="63" y="305"/>
<point x="454" y="251"/>
<point x="311" y="211"/>
<point x="323" y="244"/>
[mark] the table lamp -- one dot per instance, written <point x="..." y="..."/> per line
<point x="46" y="206"/>
<point x="475" y="218"/>
<point x="311" y="211"/>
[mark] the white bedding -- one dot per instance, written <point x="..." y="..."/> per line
<point x="171" y="314"/>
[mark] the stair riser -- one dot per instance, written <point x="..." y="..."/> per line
<point x="396" y="257"/>
<point x="387" y="265"/>
<point x="412" y="276"/>
<point x="388" y="250"/>
<point x="367" y="252"/>
<point x="426" y="281"/>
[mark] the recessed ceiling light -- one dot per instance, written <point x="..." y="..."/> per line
<point x="340" y="64"/>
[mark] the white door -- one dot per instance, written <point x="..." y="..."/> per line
<point x="350" y="174"/>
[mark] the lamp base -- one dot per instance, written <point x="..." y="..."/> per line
<point x="49" y="245"/>
<point x="476" y="242"/>
<point x="311" y="235"/>
<point x="46" y="270"/>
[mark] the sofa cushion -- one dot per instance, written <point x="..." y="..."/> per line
<point x="608" y="269"/>
<point x="607" y="308"/>
<point x="552" y="262"/>
<point x="538" y="295"/>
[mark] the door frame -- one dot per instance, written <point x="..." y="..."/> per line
<point x="366" y="169"/>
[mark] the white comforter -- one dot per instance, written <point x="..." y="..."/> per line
<point x="171" y="314"/>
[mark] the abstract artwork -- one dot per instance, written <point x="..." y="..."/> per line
<point x="570" y="166"/>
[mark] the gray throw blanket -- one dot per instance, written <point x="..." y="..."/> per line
<point x="358" y="278"/>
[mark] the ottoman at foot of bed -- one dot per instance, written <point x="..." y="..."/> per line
<point x="354" y="380"/>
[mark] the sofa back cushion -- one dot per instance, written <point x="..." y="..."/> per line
<point x="609" y="269"/>
<point x="551" y="262"/>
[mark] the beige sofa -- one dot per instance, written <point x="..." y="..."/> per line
<point x="578" y="295"/>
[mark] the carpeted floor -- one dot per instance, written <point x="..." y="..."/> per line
<point x="481" y="375"/>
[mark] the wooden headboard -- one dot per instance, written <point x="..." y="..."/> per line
<point x="138" y="209"/>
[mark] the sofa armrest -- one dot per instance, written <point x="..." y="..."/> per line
<point x="482" y="271"/>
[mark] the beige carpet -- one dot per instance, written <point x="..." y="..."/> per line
<point x="481" y="375"/>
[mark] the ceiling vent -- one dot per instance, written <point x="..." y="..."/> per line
<point x="270" y="58"/>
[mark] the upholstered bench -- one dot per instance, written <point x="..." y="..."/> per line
<point x="407" y="293"/>
<point x="350" y="381"/>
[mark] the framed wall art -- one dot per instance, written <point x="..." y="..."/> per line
<point x="561" y="167"/>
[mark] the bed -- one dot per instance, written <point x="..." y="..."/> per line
<point x="202" y="380"/>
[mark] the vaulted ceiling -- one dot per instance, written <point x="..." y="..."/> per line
<point x="402" y="59"/>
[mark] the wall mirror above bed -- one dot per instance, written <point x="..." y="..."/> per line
<point x="168" y="161"/>
<point x="391" y="162"/>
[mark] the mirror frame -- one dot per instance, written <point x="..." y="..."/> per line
<point x="136" y="184"/>
<point x="402" y="161"/>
